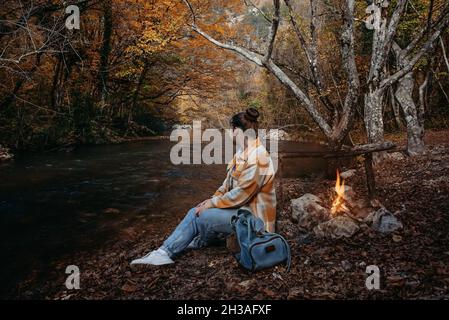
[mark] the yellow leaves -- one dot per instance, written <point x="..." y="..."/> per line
<point x="156" y="24"/>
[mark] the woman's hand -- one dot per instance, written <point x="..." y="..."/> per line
<point x="206" y="204"/>
<point x="201" y="203"/>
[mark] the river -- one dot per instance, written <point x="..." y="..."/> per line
<point x="58" y="203"/>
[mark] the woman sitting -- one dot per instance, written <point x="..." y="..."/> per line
<point x="249" y="183"/>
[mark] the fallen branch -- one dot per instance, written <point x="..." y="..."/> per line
<point x="343" y="153"/>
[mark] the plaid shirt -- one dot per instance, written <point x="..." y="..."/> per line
<point x="250" y="183"/>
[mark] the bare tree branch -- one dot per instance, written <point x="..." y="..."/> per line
<point x="393" y="26"/>
<point x="276" y="71"/>
<point x="25" y="55"/>
<point x="314" y="41"/>
<point x="187" y="3"/>
<point x="252" y="56"/>
<point x="443" y="49"/>
<point x="308" y="104"/>
<point x="311" y="55"/>
<point x="273" y="31"/>
<point x="425" y="48"/>
<point x="425" y="30"/>
<point x="249" y="3"/>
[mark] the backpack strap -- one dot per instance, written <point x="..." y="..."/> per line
<point x="234" y="219"/>
<point x="289" y="255"/>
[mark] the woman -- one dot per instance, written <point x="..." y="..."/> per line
<point x="249" y="183"/>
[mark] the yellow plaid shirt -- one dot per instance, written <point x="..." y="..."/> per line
<point x="250" y="183"/>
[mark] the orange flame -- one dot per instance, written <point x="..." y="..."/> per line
<point x="338" y="205"/>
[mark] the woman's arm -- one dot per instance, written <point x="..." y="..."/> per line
<point x="249" y="182"/>
<point x="222" y="190"/>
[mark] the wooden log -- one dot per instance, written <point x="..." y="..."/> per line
<point x="344" y="152"/>
<point x="303" y="154"/>
<point x="362" y="149"/>
<point x="371" y="147"/>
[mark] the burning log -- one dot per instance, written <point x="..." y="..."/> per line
<point x="338" y="205"/>
<point x="345" y="203"/>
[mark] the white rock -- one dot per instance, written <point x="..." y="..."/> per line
<point x="307" y="211"/>
<point x="348" y="174"/>
<point x="247" y="283"/>
<point x="181" y="126"/>
<point x="5" y="154"/>
<point x="275" y="134"/>
<point x="338" y="227"/>
<point x="384" y="221"/>
<point x="396" y="156"/>
<point x="349" y="194"/>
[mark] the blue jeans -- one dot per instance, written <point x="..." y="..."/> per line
<point x="210" y="227"/>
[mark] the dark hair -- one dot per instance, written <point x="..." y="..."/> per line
<point x="246" y="120"/>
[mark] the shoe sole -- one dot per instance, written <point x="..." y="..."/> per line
<point x="150" y="264"/>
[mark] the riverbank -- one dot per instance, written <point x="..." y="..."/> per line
<point x="413" y="261"/>
<point x="6" y="154"/>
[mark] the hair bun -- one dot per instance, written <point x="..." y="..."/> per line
<point x="252" y="114"/>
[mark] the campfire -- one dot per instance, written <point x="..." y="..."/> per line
<point x="339" y="203"/>
<point x="345" y="217"/>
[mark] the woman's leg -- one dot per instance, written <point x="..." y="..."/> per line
<point x="209" y="225"/>
<point x="182" y="235"/>
<point x="215" y="224"/>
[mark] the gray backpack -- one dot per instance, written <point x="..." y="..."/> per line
<point x="258" y="249"/>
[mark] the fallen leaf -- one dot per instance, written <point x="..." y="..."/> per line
<point x="127" y="287"/>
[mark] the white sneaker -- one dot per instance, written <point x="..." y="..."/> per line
<point x="157" y="258"/>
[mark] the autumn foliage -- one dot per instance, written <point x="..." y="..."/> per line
<point x="135" y="67"/>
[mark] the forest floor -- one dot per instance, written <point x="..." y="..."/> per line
<point x="414" y="261"/>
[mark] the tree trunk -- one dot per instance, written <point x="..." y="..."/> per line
<point x="373" y="117"/>
<point x="105" y="51"/>
<point x="395" y="108"/>
<point x="55" y="96"/>
<point x="404" y="95"/>
<point x="415" y="129"/>
<point x="423" y="89"/>
<point x="136" y="93"/>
